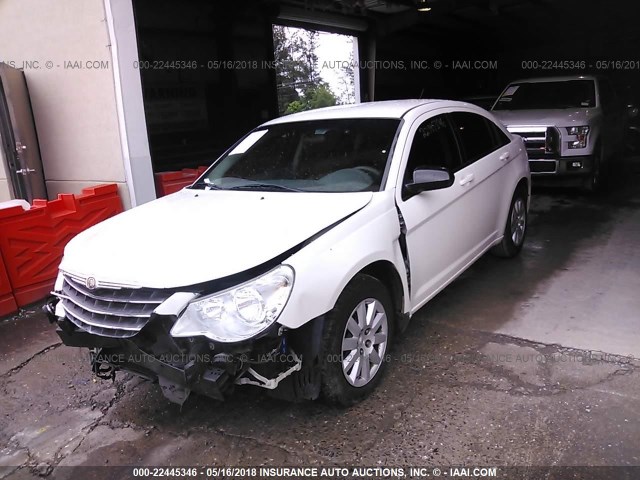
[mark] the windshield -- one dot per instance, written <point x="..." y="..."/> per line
<point x="548" y="95"/>
<point x="339" y="155"/>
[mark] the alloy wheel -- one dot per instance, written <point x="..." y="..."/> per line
<point x="518" y="221"/>
<point x="364" y="342"/>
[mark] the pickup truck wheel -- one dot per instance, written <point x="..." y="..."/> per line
<point x="515" y="230"/>
<point x="355" y="341"/>
<point x="593" y="184"/>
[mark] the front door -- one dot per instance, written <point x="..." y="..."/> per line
<point x="432" y="218"/>
<point x="483" y="177"/>
<point x="19" y="138"/>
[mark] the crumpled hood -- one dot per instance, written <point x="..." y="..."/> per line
<point x="195" y="236"/>
<point x="559" y="118"/>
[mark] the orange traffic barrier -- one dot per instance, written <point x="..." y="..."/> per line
<point x="32" y="241"/>
<point x="171" y="182"/>
<point x="7" y="301"/>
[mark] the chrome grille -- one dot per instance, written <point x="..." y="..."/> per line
<point x="540" y="142"/>
<point x="534" y="141"/>
<point x="111" y="312"/>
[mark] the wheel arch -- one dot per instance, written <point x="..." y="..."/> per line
<point x="386" y="272"/>
<point x="306" y="339"/>
<point x="523" y="185"/>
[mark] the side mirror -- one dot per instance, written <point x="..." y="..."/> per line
<point x="430" y="178"/>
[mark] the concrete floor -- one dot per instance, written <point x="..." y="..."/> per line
<point x="532" y="361"/>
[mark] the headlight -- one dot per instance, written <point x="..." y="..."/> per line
<point x="581" y="134"/>
<point x="238" y="313"/>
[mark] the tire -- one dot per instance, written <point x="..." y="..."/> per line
<point x="350" y="375"/>
<point x="515" y="229"/>
<point x="632" y="141"/>
<point x="595" y="182"/>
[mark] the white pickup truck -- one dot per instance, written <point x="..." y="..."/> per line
<point x="572" y="126"/>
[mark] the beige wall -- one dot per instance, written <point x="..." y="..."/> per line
<point x="74" y="109"/>
<point x="54" y="188"/>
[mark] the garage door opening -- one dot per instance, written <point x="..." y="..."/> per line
<point x="205" y="78"/>
<point x="314" y="69"/>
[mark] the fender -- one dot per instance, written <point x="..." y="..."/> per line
<point x="329" y="260"/>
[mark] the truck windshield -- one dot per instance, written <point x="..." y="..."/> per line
<point x="548" y="95"/>
<point x="339" y="155"/>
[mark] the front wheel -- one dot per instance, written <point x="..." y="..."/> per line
<point x="594" y="183"/>
<point x="355" y="341"/>
<point x="516" y="228"/>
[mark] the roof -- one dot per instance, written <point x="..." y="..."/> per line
<point x="384" y="109"/>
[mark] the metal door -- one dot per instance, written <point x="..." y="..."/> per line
<point x="19" y="138"/>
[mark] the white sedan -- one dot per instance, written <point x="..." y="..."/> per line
<point x="293" y="262"/>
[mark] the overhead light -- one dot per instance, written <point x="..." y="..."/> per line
<point x="423" y="6"/>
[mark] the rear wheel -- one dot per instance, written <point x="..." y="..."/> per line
<point x="355" y="341"/>
<point x="515" y="230"/>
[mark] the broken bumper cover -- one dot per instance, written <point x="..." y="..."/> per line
<point x="183" y="365"/>
<point x="176" y="376"/>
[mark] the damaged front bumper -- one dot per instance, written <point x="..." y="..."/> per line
<point x="183" y="365"/>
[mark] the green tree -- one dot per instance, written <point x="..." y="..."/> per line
<point x="287" y="74"/>
<point x="299" y="84"/>
<point x="315" y="97"/>
<point x="347" y="79"/>
<point x="295" y="107"/>
<point x="320" y="96"/>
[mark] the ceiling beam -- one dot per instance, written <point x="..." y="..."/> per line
<point x="388" y="24"/>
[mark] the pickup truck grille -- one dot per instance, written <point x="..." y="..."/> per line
<point x="110" y="312"/>
<point x="540" y="142"/>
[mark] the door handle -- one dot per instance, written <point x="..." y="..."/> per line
<point x="467" y="179"/>
<point x="504" y="157"/>
<point x="25" y="171"/>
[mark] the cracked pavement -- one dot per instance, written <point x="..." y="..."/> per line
<point x="533" y="361"/>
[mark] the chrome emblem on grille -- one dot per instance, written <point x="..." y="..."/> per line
<point x="91" y="283"/>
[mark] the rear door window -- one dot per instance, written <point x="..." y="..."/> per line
<point x="500" y="139"/>
<point x="474" y="135"/>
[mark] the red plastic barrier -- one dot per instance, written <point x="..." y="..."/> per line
<point x="32" y="241"/>
<point x="7" y="301"/>
<point x="171" y="182"/>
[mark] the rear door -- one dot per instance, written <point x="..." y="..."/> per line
<point x="19" y="139"/>
<point x="483" y="178"/>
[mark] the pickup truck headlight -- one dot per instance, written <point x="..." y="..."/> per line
<point x="238" y="313"/>
<point x="581" y="134"/>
